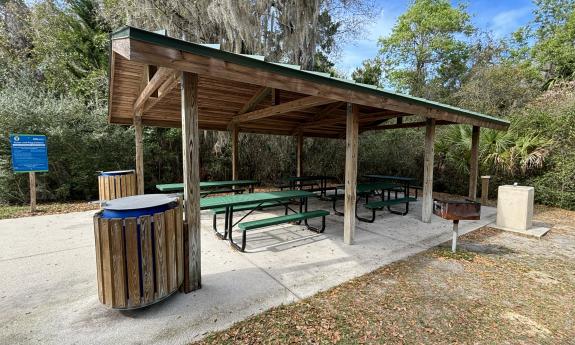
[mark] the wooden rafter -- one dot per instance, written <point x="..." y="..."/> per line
<point x="275" y="96"/>
<point x="404" y="125"/>
<point x="322" y="114"/>
<point x="155" y="82"/>
<point x="163" y="90"/>
<point x="256" y="99"/>
<point x="327" y="110"/>
<point x="298" y="104"/>
<point x="379" y="117"/>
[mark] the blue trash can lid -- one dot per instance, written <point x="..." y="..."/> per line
<point x="139" y="201"/>
<point x="116" y="172"/>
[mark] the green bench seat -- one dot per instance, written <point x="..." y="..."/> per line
<point x="391" y="202"/>
<point x="295" y="217"/>
<point x="378" y="205"/>
<point x="246" y="207"/>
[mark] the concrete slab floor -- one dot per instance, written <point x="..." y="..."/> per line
<point x="48" y="291"/>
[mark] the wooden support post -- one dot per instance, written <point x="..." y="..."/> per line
<point x="427" y="203"/>
<point x="235" y="167"/>
<point x="139" y="153"/>
<point x="351" y="145"/>
<point x="191" y="150"/>
<point x="299" y="154"/>
<point x="474" y="163"/>
<point x="32" y="176"/>
<point x="275" y="96"/>
<point x="485" y="189"/>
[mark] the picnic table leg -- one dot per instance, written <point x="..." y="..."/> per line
<point x="400" y="213"/>
<point x="301" y="205"/>
<point x="406" y="193"/>
<point x="313" y="228"/>
<point x="215" y="227"/>
<point x="334" y="200"/>
<point x="367" y="220"/>
<point x="230" y="231"/>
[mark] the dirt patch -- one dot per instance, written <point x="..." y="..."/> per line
<point x="499" y="289"/>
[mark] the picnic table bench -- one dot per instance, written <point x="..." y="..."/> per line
<point x="256" y="201"/>
<point x="406" y="182"/>
<point x="368" y="189"/>
<point x="313" y="180"/>
<point x="213" y="187"/>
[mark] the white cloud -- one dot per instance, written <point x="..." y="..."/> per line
<point x="506" y="22"/>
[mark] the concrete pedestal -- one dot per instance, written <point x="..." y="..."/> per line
<point x="515" y="207"/>
<point x="515" y="211"/>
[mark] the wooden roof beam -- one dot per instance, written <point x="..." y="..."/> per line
<point x="163" y="90"/>
<point x="405" y="125"/>
<point x="256" y="99"/>
<point x="169" y="53"/>
<point x="379" y="117"/>
<point x="298" y="104"/>
<point x="327" y="110"/>
<point x="155" y="82"/>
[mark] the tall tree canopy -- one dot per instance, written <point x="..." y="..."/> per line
<point x="555" y="34"/>
<point x="425" y="52"/>
<point x="290" y="31"/>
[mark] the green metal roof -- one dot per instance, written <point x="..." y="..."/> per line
<point x="209" y="50"/>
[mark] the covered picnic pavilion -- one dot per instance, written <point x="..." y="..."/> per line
<point x="156" y="80"/>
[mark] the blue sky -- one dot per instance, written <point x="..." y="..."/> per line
<point x="500" y="17"/>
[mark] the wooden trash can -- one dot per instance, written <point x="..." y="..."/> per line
<point x="139" y="250"/>
<point x="116" y="184"/>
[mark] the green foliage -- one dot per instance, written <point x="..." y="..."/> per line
<point x="424" y="50"/>
<point x="79" y="142"/>
<point x="53" y="81"/>
<point x="71" y="48"/>
<point x="496" y="89"/>
<point x="369" y="72"/>
<point x="398" y="152"/>
<point x="557" y="52"/>
<point x="537" y="150"/>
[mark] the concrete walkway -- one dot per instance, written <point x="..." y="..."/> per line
<point x="48" y="291"/>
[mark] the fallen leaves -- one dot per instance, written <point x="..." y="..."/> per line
<point x="496" y="298"/>
<point x="10" y="211"/>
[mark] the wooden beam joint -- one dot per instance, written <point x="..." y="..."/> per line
<point x="298" y="104"/>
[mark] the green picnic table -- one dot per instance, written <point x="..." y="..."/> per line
<point x="209" y="185"/>
<point x="255" y="201"/>
<point x="321" y="180"/>
<point x="406" y="182"/>
<point x="367" y="189"/>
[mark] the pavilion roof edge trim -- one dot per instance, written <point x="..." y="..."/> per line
<point x="206" y="51"/>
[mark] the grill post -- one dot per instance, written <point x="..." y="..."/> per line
<point x="455" y="234"/>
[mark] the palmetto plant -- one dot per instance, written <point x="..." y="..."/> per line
<point x="510" y="153"/>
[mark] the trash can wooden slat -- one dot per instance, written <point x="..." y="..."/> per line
<point x="139" y="259"/>
<point x="116" y="184"/>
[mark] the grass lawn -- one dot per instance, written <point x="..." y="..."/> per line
<point x="11" y="211"/>
<point x="499" y="289"/>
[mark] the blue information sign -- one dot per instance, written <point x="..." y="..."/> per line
<point x="29" y="153"/>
